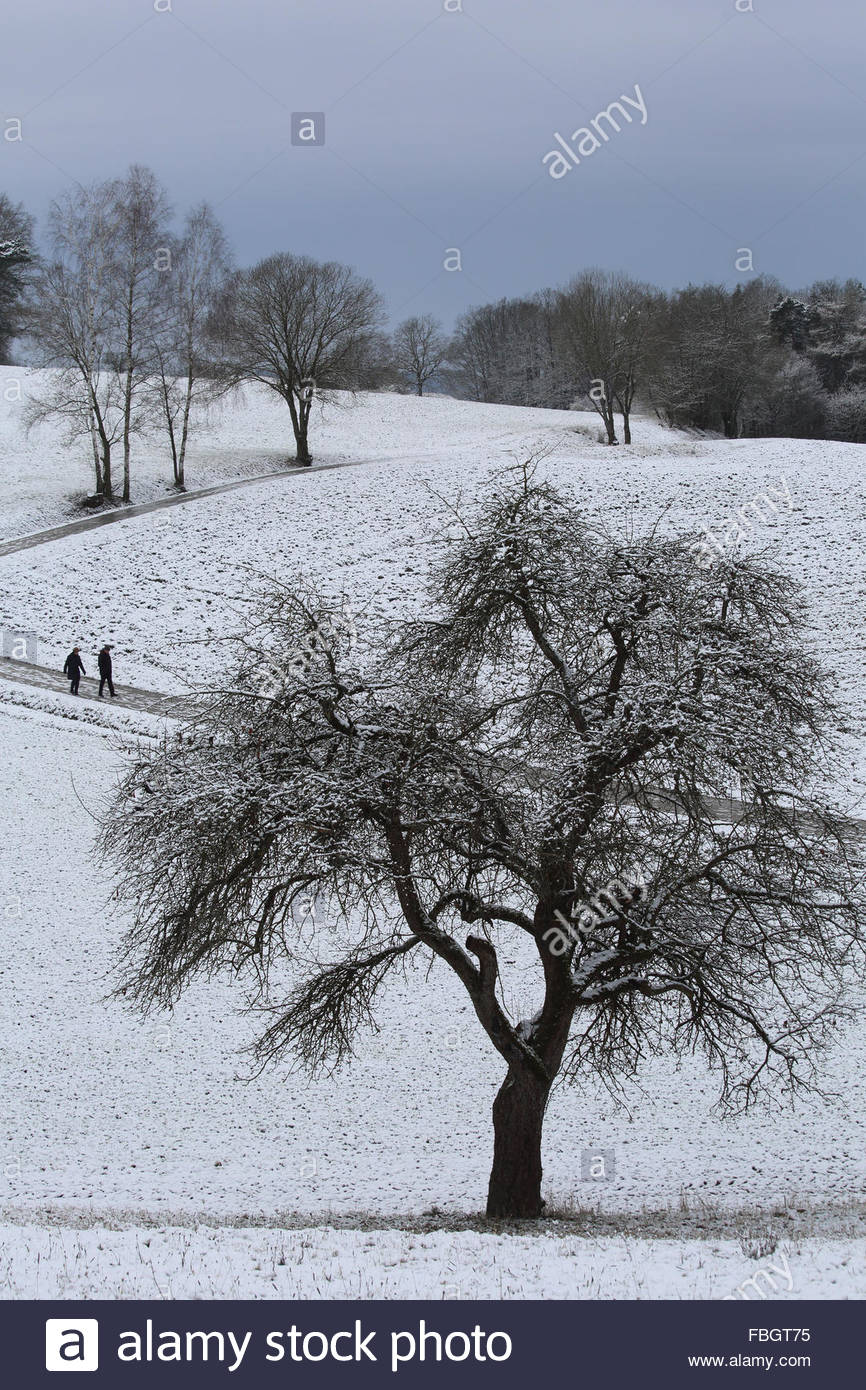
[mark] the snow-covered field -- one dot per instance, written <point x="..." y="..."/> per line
<point x="164" y="587"/>
<point x="247" y="436"/>
<point x="106" y="1112"/>
<point x="44" y="478"/>
<point x="151" y="1131"/>
<point x="356" y="1264"/>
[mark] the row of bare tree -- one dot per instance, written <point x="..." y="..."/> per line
<point x="753" y="360"/>
<point x="147" y="326"/>
<point x="121" y="307"/>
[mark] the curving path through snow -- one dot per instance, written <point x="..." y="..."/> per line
<point x="128" y="696"/>
<point x="726" y="811"/>
<point x="124" y="513"/>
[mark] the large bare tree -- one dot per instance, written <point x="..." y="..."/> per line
<point x="639" y="308"/>
<point x="527" y="788"/>
<point x="601" y="329"/>
<point x="304" y="329"/>
<point x="420" y="349"/>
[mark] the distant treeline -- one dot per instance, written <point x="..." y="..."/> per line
<point x="146" y="322"/>
<point x="754" y="360"/>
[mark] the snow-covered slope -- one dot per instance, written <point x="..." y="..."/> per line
<point x="106" y="1114"/>
<point x="165" y="587"/>
<point x="247" y="435"/>
<point x="105" y="1111"/>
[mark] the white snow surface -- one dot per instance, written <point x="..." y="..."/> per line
<point x="323" y="1263"/>
<point x="104" y="1111"/>
<point x="107" y="1118"/>
<point x="165" y="587"/>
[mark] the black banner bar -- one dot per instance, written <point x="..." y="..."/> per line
<point x="408" y="1344"/>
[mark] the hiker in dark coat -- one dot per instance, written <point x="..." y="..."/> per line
<point x="104" y="660"/>
<point x="73" y="667"/>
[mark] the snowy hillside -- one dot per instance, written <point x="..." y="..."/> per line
<point x="247" y="436"/>
<point x="161" y="1125"/>
<point x="164" y="588"/>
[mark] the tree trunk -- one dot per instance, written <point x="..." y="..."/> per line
<point x="302" y="451"/>
<point x="514" y="1191"/>
<point x="179" y="477"/>
<point x="170" y="431"/>
<point x="303" y="455"/>
<point x="127" y="424"/>
<point x="105" y="449"/>
<point x="165" y="403"/>
<point x="300" y="413"/>
<point x="606" y="409"/>
<point x="107" y="490"/>
<point x="626" y="427"/>
<point x="94" y="440"/>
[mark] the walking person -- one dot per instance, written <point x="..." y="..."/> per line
<point x="104" y="660"/>
<point x="73" y="667"/>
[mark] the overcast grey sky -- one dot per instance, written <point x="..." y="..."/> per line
<point x="437" y="123"/>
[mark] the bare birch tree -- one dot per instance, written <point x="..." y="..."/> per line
<point x="73" y="322"/>
<point x="141" y="216"/>
<point x="186" y="373"/>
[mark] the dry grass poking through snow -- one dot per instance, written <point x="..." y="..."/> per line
<point x="349" y="1264"/>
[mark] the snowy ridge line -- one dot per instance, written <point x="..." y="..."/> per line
<point x="124" y="513"/>
<point x="800" y="1221"/>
